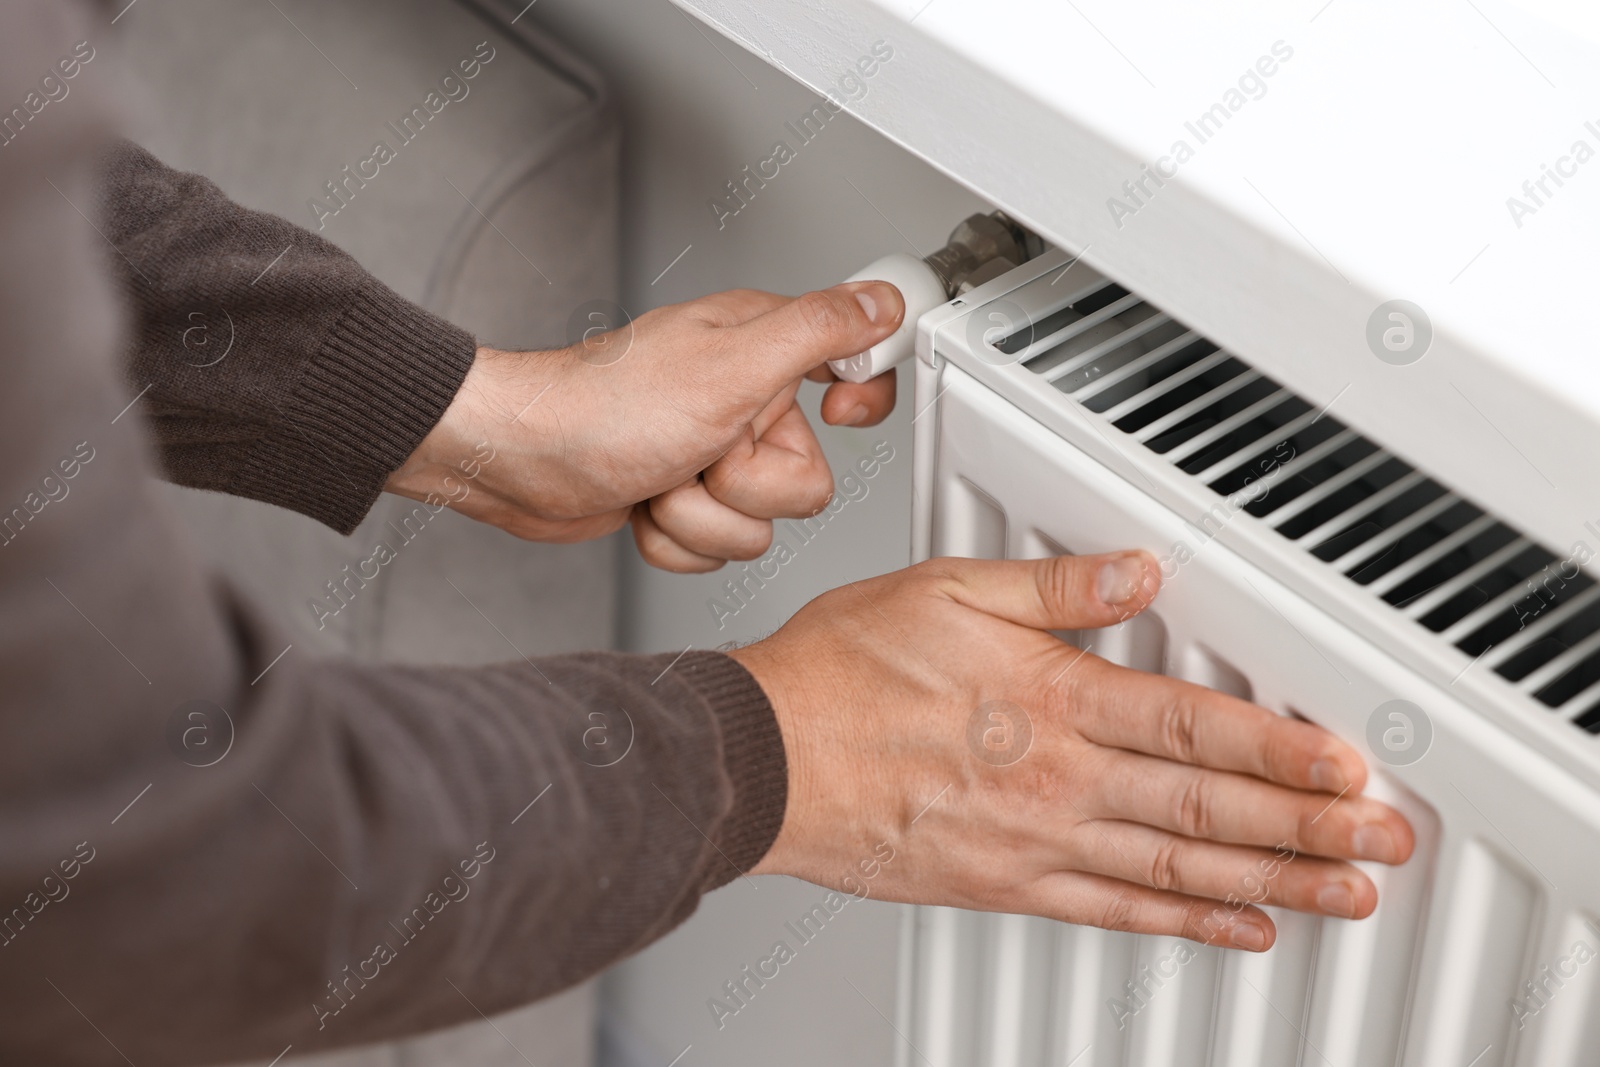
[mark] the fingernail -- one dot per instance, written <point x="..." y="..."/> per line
<point x="1326" y="776"/>
<point x="1374" y="843"/>
<point x="855" y="416"/>
<point x="1335" y="898"/>
<point x="1248" y="936"/>
<point x="1118" y="582"/>
<point x="876" y="302"/>
<point x="869" y="305"/>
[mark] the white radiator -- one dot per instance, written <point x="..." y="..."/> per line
<point x="1057" y="412"/>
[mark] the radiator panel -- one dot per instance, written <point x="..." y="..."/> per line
<point x="1430" y="978"/>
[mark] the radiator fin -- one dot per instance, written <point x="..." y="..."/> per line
<point x="972" y="523"/>
<point x="1174" y="1029"/>
<point x="1205" y="667"/>
<point x="1021" y="961"/>
<point x="1265" y="999"/>
<point x="1492" y="912"/>
<point x="1557" y="1012"/>
<point x="1529" y="613"/>
<point x="1086" y="1030"/>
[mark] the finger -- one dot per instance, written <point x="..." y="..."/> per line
<point x="705" y="526"/>
<point x="782" y="473"/>
<point x="855" y="403"/>
<point x="859" y="404"/>
<point x="1191" y="724"/>
<point x="1117" y="904"/>
<point x="1234" y="809"/>
<point x="785" y="343"/>
<point x="661" y="551"/>
<point x="1233" y="874"/>
<point x="1057" y="593"/>
<point x="774" y="410"/>
<point x="515" y="520"/>
<point x="733" y="306"/>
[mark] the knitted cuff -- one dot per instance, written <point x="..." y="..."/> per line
<point x="752" y="756"/>
<point x="379" y="384"/>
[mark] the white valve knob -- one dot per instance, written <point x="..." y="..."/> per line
<point x="922" y="290"/>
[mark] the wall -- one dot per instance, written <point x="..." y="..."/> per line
<point x="697" y="110"/>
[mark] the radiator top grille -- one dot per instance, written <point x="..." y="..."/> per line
<point x="1507" y="603"/>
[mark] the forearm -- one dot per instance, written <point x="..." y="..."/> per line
<point x="370" y="834"/>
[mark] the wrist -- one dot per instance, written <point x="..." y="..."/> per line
<point x="792" y="849"/>
<point x="497" y="410"/>
<point x="436" y="466"/>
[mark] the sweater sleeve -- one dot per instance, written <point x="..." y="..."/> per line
<point x="218" y="848"/>
<point x="274" y="366"/>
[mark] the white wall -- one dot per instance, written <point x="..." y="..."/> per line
<point x="697" y="110"/>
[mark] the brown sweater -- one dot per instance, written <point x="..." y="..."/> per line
<point x="363" y="861"/>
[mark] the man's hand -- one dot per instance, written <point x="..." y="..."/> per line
<point x="684" y="421"/>
<point x="1127" y="800"/>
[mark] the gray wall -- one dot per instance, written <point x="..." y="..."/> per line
<point x="696" y="110"/>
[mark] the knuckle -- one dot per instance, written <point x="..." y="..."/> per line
<point x="668" y="509"/>
<point x="824" y="314"/>
<point x="817" y="494"/>
<point x="1195" y="816"/>
<point x="1057" y="581"/>
<point x="1121" y="911"/>
<point x="1203" y="922"/>
<point x="1076" y="685"/>
<point x="651" y="541"/>
<point x="1167" y="864"/>
<point x="1181" y="729"/>
<point x="752" y="541"/>
<point x="1280" y="752"/>
<point x="937" y="571"/>
<point x="651" y="548"/>
<point x="693" y="313"/>
<point x="1309" y="820"/>
<point x="721" y="480"/>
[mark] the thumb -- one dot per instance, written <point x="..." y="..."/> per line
<point x="1057" y="593"/>
<point x="806" y="332"/>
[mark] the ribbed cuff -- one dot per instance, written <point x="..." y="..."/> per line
<point x="379" y="384"/>
<point x="752" y="755"/>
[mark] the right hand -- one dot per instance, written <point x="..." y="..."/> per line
<point x="684" y="421"/>
<point x="1144" y="803"/>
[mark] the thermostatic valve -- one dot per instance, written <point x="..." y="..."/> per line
<point x="923" y="291"/>
<point x="981" y="248"/>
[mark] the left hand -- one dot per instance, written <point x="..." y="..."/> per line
<point x="684" y="421"/>
<point x="934" y="713"/>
